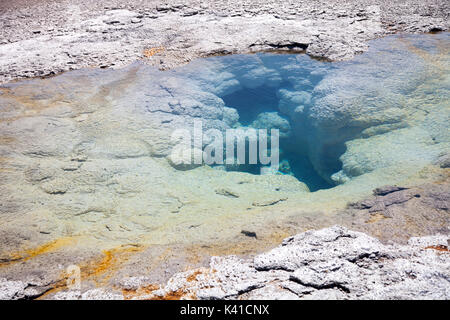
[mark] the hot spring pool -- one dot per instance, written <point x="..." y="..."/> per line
<point x="85" y="154"/>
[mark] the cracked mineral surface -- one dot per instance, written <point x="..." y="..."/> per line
<point x="331" y="263"/>
<point x="41" y="38"/>
<point x="88" y="182"/>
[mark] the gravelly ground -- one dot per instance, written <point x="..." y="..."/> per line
<point x="41" y="38"/>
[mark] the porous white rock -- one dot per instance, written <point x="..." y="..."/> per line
<point x="331" y="263"/>
<point x="272" y="120"/>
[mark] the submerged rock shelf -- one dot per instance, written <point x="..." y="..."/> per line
<point x="85" y="155"/>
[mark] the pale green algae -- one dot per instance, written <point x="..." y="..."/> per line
<point x="84" y="153"/>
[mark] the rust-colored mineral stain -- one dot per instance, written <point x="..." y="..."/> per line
<point x="6" y="140"/>
<point x="57" y="287"/>
<point x="376" y="217"/>
<point x="101" y="270"/>
<point x="25" y="97"/>
<point x="48" y="247"/>
<point x="150" y="52"/>
<point x="106" y="263"/>
<point x="146" y="293"/>
<point x="173" y="295"/>
<point x="443" y="50"/>
<point x="193" y="276"/>
<point x="142" y="291"/>
<point x="440" y="248"/>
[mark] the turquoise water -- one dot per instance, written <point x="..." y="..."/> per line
<point x="252" y="102"/>
<point x="336" y="120"/>
<point x="320" y="107"/>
